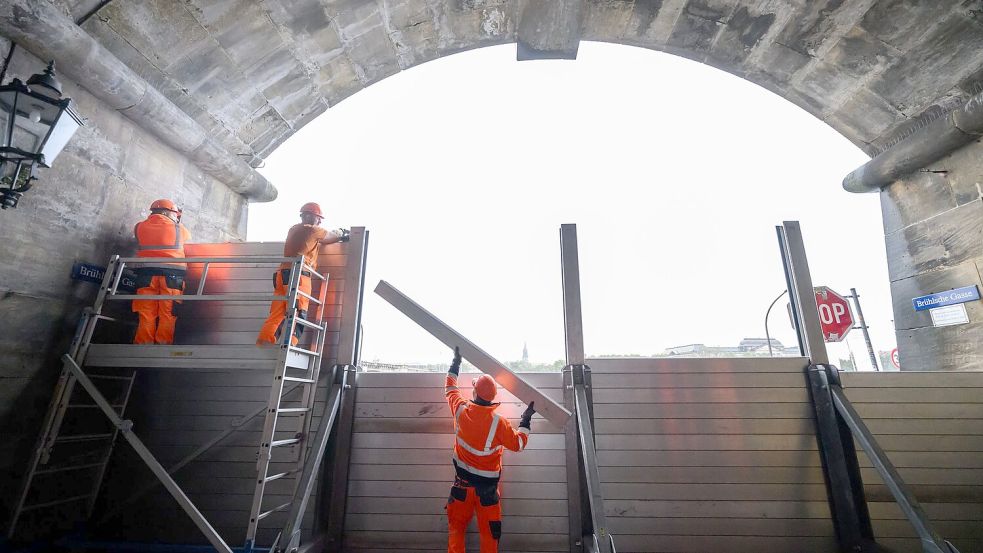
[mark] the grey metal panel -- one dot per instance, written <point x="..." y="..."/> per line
<point x="687" y="442"/>
<point x="716" y="492"/>
<point x="664" y="365"/>
<point x="631" y="458"/>
<point x="412" y="395"/>
<point x="913" y="379"/>
<point x="811" y="527"/>
<point x="702" y="410"/>
<point x="432" y="425"/>
<point x="444" y="473"/>
<point x="653" y="511"/>
<point x="434" y="409"/>
<point x="435" y="381"/>
<point x="712" y="475"/>
<point x="439" y="441"/>
<point x="727" y="544"/>
<point x="391" y="456"/>
<point x="435" y="540"/>
<point x="670" y="426"/>
<point x="387" y="488"/>
<point x="701" y="380"/>
<point x="413" y="522"/>
<point x="549" y="406"/>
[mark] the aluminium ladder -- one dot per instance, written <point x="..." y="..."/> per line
<point x="63" y="407"/>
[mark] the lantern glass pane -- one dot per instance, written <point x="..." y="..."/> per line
<point x="7" y="98"/>
<point x="64" y="128"/>
<point x="34" y="118"/>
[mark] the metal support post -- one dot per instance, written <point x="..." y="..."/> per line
<point x="573" y="332"/>
<point x="289" y="538"/>
<point x="602" y="541"/>
<point x="335" y="488"/>
<point x="932" y="541"/>
<point x="801" y="292"/>
<point x="126" y="428"/>
<point x="863" y="326"/>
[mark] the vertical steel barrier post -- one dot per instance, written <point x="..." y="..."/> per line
<point x="574" y="333"/>
<point x="333" y="495"/>
<point x="841" y="470"/>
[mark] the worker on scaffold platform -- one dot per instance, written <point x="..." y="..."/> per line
<point x="304" y="238"/>
<point x="160" y="235"/>
<point x="480" y="436"/>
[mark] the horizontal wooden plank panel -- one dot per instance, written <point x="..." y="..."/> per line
<point x="892" y="443"/>
<point x="412" y="522"/>
<point x="697" y="442"/>
<point x="913" y="395"/>
<point x="728" y="544"/>
<point x="432" y="409"/>
<point x="392" y="456"/>
<point x="437" y="441"/>
<point x="633" y="458"/>
<point x="699" y="380"/>
<point x="433" y="425"/>
<point x="700" y="395"/>
<point x="716" y="410"/>
<point x="716" y="492"/>
<point x="965" y="529"/>
<point x="401" y="541"/>
<point x="413" y="395"/>
<point x="511" y="507"/>
<point x="962" y="411"/>
<point x="708" y="526"/>
<point x="397" y="488"/>
<point x="889" y="510"/>
<point x="670" y="426"/>
<point x="929" y="493"/>
<point x="912" y="379"/>
<point x="652" y="509"/>
<point x="696" y="365"/>
<point x="444" y="473"/>
<point x="712" y="475"/>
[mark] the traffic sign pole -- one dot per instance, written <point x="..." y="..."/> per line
<point x="863" y="326"/>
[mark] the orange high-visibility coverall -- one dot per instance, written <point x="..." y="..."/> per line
<point x="480" y="436"/>
<point x="158" y="236"/>
<point x="301" y="240"/>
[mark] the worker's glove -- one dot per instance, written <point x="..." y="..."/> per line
<point x="526" y="420"/>
<point x="346" y="234"/>
<point x="456" y="363"/>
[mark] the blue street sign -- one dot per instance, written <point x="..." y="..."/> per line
<point x="94" y="273"/>
<point x="950" y="297"/>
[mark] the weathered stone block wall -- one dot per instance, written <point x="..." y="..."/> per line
<point x="933" y="225"/>
<point x="82" y="209"/>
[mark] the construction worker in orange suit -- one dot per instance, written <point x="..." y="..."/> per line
<point x="160" y="235"/>
<point x="304" y="238"/>
<point x="480" y="436"/>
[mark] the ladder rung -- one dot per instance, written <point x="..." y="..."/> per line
<point x="83" y="437"/>
<point x="305" y="351"/>
<point x="281" y="443"/>
<point x="308" y="296"/>
<point x="105" y="318"/>
<point x="279" y="476"/>
<point x="298" y="379"/>
<point x="55" y="502"/>
<point x="293" y="410"/>
<point x="273" y="510"/>
<point x="66" y="469"/>
<point x="308" y="324"/>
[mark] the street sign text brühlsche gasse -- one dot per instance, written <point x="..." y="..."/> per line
<point x="950" y="297"/>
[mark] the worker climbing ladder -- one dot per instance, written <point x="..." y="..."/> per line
<point x="297" y="364"/>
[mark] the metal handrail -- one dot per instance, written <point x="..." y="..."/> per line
<point x="200" y="294"/>
<point x="932" y="541"/>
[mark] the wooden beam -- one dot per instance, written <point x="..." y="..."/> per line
<point x="549" y="409"/>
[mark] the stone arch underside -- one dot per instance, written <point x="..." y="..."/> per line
<point x="254" y="72"/>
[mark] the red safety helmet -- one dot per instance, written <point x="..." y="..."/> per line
<point x="485" y="387"/>
<point x="166" y="205"/>
<point x="312" y="208"/>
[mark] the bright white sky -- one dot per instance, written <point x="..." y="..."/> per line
<point x="676" y="174"/>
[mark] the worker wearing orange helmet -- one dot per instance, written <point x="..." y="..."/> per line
<point x="161" y="235"/>
<point x="304" y="238"/>
<point x="480" y="436"/>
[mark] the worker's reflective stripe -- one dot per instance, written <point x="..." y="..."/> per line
<point x="491" y="432"/>
<point x="452" y="376"/>
<point x="475" y="471"/>
<point x="523" y="438"/>
<point x="457" y="414"/>
<point x="175" y="246"/>
<point x="478" y="452"/>
<point x="450" y="388"/>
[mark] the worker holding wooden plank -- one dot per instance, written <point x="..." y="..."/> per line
<point x="481" y="436"/>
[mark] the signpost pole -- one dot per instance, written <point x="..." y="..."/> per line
<point x="863" y="326"/>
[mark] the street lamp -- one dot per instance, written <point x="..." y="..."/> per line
<point x="36" y="123"/>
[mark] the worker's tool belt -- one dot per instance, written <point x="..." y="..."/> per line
<point x="487" y="492"/>
<point x="173" y="277"/>
<point x="285" y="276"/>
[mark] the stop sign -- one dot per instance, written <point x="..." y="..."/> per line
<point x="834" y="314"/>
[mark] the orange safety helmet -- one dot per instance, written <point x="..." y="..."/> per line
<point x="312" y="208"/>
<point x="164" y="204"/>
<point x="485" y="387"/>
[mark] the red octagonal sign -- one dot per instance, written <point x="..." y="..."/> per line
<point x="834" y="314"/>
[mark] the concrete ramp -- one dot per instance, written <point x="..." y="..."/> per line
<point x="401" y="470"/>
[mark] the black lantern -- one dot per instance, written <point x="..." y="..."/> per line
<point x="36" y="123"/>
